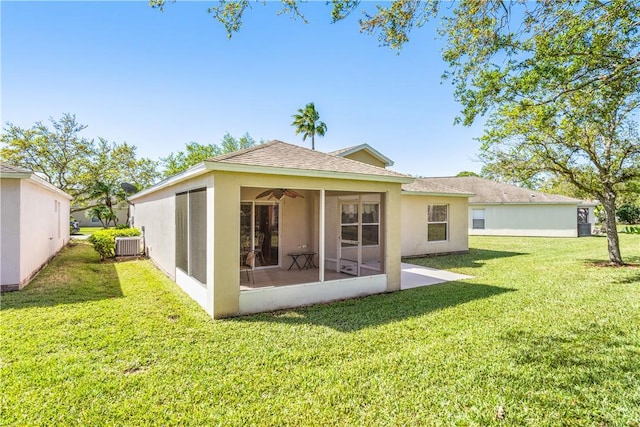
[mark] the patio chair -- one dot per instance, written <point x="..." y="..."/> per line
<point x="258" y="247"/>
<point x="248" y="266"/>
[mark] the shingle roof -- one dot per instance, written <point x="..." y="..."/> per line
<point x="7" y="168"/>
<point x="422" y="185"/>
<point x="487" y="191"/>
<point x="278" y="154"/>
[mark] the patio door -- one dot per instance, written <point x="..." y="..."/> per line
<point x="350" y="241"/>
<point x="259" y="232"/>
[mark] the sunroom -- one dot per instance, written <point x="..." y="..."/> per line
<point x="280" y="236"/>
<point x="276" y="226"/>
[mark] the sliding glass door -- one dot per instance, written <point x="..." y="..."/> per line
<point x="259" y="232"/>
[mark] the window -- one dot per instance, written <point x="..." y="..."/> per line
<point x="477" y="219"/>
<point x="437" y="223"/>
<point x="349" y="223"/>
<point x="583" y="215"/>
<point x="370" y="224"/>
<point x="351" y="220"/>
<point x="191" y="233"/>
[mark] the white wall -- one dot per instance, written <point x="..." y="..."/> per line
<point x="527" y="220"/>
<point x="10" y="231"/>
<point x="44" y="226"/>
<point x="34" y="227"/>
<point x="155" y="216"/>
<point x="414" y="225"/>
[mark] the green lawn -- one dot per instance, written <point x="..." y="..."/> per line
<point x="538" y="331"/>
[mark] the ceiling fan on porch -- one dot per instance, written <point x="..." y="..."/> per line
<point x="279" y="193"/>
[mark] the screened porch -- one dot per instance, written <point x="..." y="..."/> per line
<point x="302" y="236"/>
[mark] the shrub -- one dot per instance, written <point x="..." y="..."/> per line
<point x="628" y="214"/>
<point x="104" y="241"/>
<point x="630" y="229"/>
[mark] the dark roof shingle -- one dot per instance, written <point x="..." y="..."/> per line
<point x="7" y="168"/>
<point x="487" y="191"/>
<point x="278" y="154"/>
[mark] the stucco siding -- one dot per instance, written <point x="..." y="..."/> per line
<point x="44" y="226"/>
<point x="546" y="220"/>
<point x="364" y="157"/>
<point x="34" y="227"/>
<point x="154" y="215"/>
<point x="10" y="237"/>
<point x="226" y="238"/>
<point x="299" y="225"/>
<point x="414" y="225"/>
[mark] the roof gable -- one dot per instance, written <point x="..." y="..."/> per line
<point x="366" y="148"/>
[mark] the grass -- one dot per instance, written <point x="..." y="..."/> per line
<point x="88" y="231"/>
<point x="539" y="331"/>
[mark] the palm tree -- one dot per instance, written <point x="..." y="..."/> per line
<point x="307" y="122"/>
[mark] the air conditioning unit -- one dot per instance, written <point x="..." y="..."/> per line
<point x="128" y="246"/>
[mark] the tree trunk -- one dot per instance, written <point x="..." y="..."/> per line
<point x="609" y="204"/>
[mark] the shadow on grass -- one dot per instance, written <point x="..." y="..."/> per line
<point x="75" y="275"/>
<point x="360" y="313"/>
<point x="473" y="259"/>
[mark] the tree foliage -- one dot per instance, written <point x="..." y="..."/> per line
<point x="559" y="82"/>
<point x="307" y="122"/>
<point x="195" y="153"/>
<point x="561" y="93"/>
<point x="467" y="173"/>
<point x="75" y="164"/>
<point x="59" y="154"/>
<point x="629" y="214"/>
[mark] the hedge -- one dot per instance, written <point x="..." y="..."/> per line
<point x="104" y="241"/>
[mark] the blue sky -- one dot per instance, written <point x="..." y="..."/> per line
<point x="159" y="80"/>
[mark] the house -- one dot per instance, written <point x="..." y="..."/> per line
<point x="85" y="220"/>
<point x="244" y="232"/>
<point x="34" y="226"/>
<point x="434" y="215"/>
<point x="498" y="209"/>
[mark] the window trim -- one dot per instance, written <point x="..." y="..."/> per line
<point x="359" y="223"/>
<point x="445" y="222"/>
<point x="474" y="219"/>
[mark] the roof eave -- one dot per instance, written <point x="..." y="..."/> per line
<point x="36" y="180"/>
<point x="192" y="172"/>
<point x="525" y="203"/>
<point x="271" y="170"/>
<point x="15" y="175"/>
<point x="435" y="193"/>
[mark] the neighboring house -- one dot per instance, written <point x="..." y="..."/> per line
<point x="498" y="209"/>
<point x="86" y="221"/>
<point x="34" y="225"/>
<point x="206" y="224"/>
<point x="434" y="216"/>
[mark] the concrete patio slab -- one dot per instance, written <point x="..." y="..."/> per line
<point x="415" y="276"/>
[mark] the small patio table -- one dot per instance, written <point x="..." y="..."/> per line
<point x="307" y="260"/>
